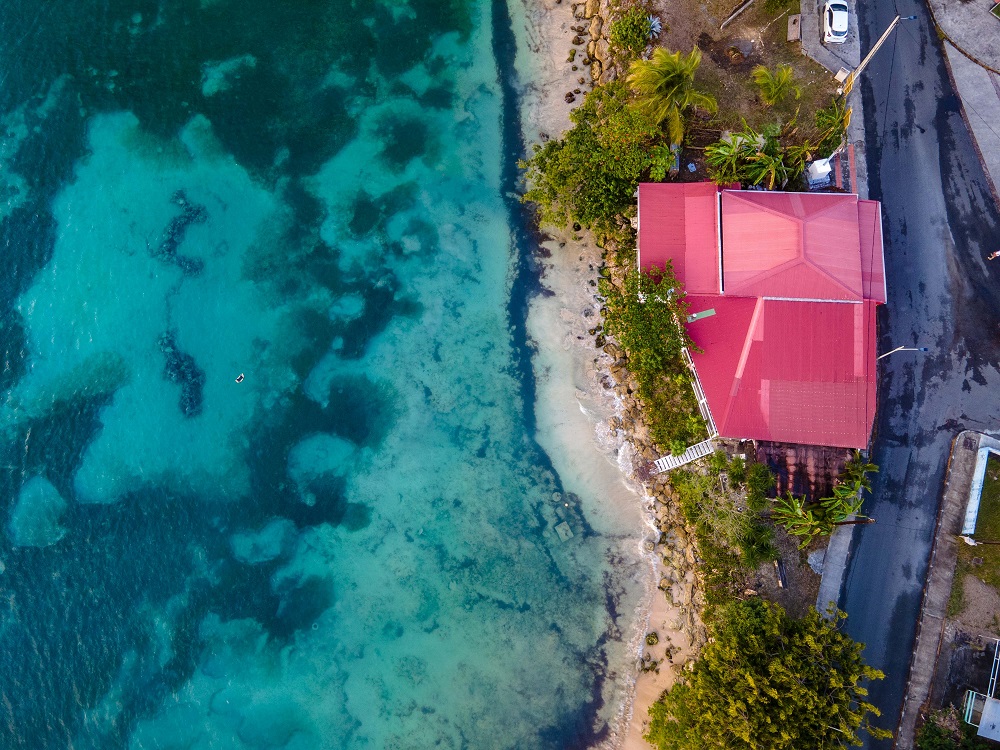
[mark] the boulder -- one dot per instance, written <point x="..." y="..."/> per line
<point x="596" y="23"/>
<point x="602" y="51"/>
<point x="591" y="8"/>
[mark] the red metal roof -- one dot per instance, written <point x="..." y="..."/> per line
<point x="678" y="222"/>
<point x="789" y="353"/>
<point x="797" y="245"/>
<point x="788" y="371"/>
<point x="872" y="263"/>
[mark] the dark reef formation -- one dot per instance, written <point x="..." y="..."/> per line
<point x="180" y="367"/>
<point x="191" y="213"/>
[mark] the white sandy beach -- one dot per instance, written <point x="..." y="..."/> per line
<point x="572" y="406"/>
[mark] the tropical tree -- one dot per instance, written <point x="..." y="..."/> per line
<point x="767" y="681"/>
<point x="727" y="158"/>
<point x="758" y="158"/>
<point x="664" y="89"/>
<point x="796" y="157"/>
<point x="799" y="519"/>
<point x="855" y="473"/>
<point x="590" y="175"/>
<point x="775" y="86"/>
<point x="767" y="168"/>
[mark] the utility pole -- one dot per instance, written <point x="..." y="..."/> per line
<point x="853" y="75"/>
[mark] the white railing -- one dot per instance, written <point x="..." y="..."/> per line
<point x="696" y="451"/>
<point x="699" y="394"/>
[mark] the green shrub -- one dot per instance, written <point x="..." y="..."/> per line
<point x="831" y="123"/>
<point x="767" y="681"/>
<point x="724" y="509"/>
<point x="630" y="32"/>
<point x="590" y="175"/>
<point x="642" y="314"/>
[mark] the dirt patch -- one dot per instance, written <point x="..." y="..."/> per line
<point x="964" y="664"/>
<point x="980" y="613"/>
<point x="973" y="622"/>
<point x="732" y="52"/>
<point x="802" y="582"/>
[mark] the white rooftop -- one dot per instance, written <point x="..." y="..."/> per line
<point x="989" y="725"/>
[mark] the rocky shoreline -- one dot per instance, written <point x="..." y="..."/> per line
<point x="594" y="35"/>
<point x="669" y="629"/>
<point x="677" y="603"/>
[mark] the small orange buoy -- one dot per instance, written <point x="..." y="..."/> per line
<point x="240" y="378"/>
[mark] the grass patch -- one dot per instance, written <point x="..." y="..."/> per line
<point x="956" y="601"/>
<point x="987" y="529"/>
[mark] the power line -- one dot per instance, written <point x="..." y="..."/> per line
<point x="888" y="88"/>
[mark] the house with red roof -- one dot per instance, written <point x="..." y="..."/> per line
<point x="782" y="289"/>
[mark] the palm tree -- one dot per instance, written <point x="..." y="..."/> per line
<point x="727" y="157"/>
<point x="796" y="158"/>
<point x="768" y="169"/>
<point x="767" y="163"/>
<point x="831" y="124"/>
<point x="664" y="89"/>
<point x="775" y="87"/>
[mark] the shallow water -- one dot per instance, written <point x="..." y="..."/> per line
<point x="359" y="545"/>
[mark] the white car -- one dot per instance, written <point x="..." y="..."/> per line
<point x="835" y="15"/>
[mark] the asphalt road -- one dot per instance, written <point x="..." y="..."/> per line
<point x="940" y="222"/>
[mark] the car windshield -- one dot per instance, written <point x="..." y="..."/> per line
<point x="838" y="8"/>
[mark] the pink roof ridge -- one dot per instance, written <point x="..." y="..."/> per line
<point x="791" y="245"/>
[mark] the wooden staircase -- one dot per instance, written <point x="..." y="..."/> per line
<point x="696" y="451"/>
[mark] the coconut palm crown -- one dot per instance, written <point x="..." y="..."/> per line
<point x="777" y="85"/>
<point x="664" y="89"/>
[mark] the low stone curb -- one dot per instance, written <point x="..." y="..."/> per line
<point x="937" y="586"/>
<point x="834" y="568"/>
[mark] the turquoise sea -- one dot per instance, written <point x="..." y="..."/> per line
<point x="270" y="471"/>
